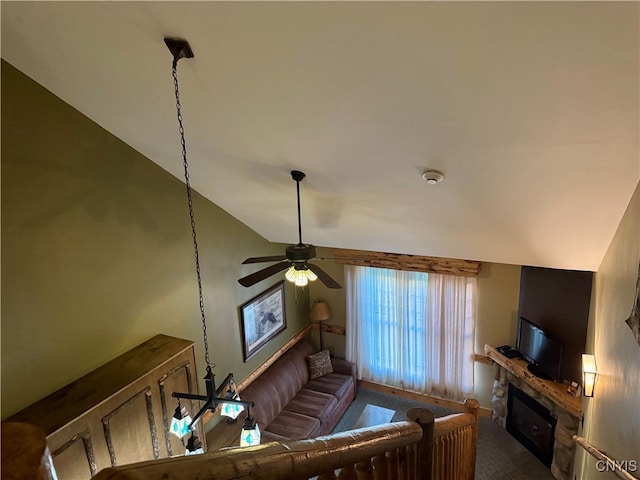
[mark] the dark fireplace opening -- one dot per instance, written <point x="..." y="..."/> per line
<point x="531" y="424"/>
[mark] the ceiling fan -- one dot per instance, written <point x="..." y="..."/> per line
<point x="296" y="258"/>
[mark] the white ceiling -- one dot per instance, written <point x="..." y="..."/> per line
<point x="530" y="109"/>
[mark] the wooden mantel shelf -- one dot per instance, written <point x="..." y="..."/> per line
<point x="555" y="392"/>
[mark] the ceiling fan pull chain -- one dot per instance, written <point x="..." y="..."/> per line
<point x="191" y="214"/>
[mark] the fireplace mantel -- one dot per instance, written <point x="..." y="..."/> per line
<point x="553" y="396"/>
<point x="555" y="392"/>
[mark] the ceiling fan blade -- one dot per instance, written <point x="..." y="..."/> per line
<point x="323" y="276"/>
<point x="264" y="273"/>
<point x="273" y="258"/>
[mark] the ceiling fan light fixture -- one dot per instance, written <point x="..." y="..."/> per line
<point x="295" y="259"/>
<point x="300" y="276"/>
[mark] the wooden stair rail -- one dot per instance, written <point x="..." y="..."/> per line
<point x="455" y="441"/>
<point x="618" y="471"/>
<point x="389" y="451"/>
<point x="422" y="448"/>
<point x="25" y="455"/>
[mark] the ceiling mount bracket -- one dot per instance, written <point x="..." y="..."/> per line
<point x="297" y="175"/>
<point x="178" y="48"/>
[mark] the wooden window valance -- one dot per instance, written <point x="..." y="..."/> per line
<point x="415" y="263"/>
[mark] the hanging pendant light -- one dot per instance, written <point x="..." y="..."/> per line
<point x="194" y="446"/>
<point x="231" y="410"/>
<point x="181" y="423"/>
<point x="250" y="434"/>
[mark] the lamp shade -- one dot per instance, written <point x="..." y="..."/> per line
<point x="300" y="277"/>
<point x="231" y="410"/>
<point x="589" y="373"/>
<point x="250" y="435"/>
<point x="320" y="311"/>
<point x="194" y="446"/>
<point x="180" y="422"/>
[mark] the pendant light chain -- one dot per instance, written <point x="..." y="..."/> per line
<point x="191" y="215"/>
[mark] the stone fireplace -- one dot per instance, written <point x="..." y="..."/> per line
<point x="544" y="408"/>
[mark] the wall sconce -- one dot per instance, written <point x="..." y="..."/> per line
<point x="319" y="313"/>
<point x="589" y="374"/>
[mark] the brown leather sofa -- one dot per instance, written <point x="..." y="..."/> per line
<point x="288" y="405"/>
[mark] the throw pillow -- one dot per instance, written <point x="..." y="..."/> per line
<point x="320" y="364"/>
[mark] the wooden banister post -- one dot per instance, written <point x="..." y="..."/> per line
<point x="472" y="406"/>
<point x="25" y="455"/>
<point x="424" y="449"/>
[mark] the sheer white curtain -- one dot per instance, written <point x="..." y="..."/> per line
<point x="412" y="330"/>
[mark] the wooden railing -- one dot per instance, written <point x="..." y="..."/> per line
<point x="608" y="463"/>
<point x="455" y="441"/>
<point x="421" y="448"/>
<point x="25" y="455"/>
<point x="393" y="450"/>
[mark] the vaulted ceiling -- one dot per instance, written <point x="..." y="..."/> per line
<point x="530" y="109"/>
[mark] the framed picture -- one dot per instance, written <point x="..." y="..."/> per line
<point x="262" y="318"/>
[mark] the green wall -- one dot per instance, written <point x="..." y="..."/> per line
<point x="97" y="254"/>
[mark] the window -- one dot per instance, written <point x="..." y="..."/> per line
<point x="412" y="330"/>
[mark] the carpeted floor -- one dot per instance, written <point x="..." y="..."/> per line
<point x="499" y="455"/>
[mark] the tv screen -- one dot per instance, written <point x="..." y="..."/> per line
<point x="543" y="352"/>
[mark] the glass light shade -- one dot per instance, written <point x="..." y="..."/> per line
<point x="589" y="373"/>
<point x="250" y="436"/>
<point x="197" y="451"/>
<point x="300" y="277"/>
<point x="194" y="446"/>
<point x="180" y="422"/>
<point x="231" y="410"/>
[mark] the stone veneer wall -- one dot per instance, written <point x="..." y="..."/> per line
<point x="567" y="426"/>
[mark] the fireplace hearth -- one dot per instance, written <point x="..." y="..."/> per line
<point x="531" y="424"/>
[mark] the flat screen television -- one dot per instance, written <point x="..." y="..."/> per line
<point x="543" y="352"/>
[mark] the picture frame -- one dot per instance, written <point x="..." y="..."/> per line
<point x="262" y="318"/>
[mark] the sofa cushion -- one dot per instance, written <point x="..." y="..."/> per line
<point x="313" y="404"/>
<point x="319" y="364"/>
<point x="279" y="383"/>
<point x="266" y="397"/>
<point x="294" y="425"/>
<point x="283" y="394"/>
<point x="335" y="384"/>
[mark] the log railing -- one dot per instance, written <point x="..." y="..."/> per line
<point x="420" y="448"/>
<point x="455" y="440"/>
<point x="25" y="455"/>
<point x="609" y="463"/>
<point x="389" y="451"/>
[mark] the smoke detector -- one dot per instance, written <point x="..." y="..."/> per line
<point x="432" y="176"/>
